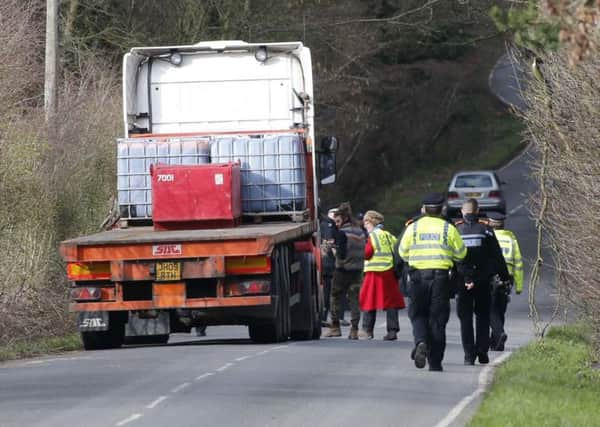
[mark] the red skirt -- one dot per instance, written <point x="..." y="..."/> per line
<point x="380" y="291"/>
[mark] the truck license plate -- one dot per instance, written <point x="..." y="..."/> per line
<point x="168" y="271"/>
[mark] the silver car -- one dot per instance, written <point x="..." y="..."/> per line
<point x="484" y="186"/>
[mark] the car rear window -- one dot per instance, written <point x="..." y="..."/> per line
<point x="473" y="180"/>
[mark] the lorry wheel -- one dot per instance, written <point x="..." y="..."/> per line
<point x="305" y="313"/>
<point x="100" y="340"/>
<point x="278" y="328"/>
<point x="147" y="339"/>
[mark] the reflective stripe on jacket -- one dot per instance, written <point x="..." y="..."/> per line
<point x="383" y="247"/>
<point x="431" y="243"/>
<point x="512" y="255"/>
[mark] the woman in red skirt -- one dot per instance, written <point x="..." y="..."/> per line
<point x="380" y="289"/>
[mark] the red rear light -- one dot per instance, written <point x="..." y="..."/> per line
<point x="88" y="271"/>
<point x="495" y="194"/>
<point x="452" y="195"/>
<point x="248" y="265"/>
<point x="87" y="293"/>
<point x="247" y="287"/>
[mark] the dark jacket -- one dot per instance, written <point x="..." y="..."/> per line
<point x="350" y="248"/>
<point x="328" y="232"/>
<point x="484" y="256"/>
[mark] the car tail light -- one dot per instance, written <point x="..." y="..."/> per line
<point x="495" y="194"/>
<point x="88" y="271"/>
<point x="452" y="195"/>
<point x="247" y="287"/>
<point x="86" y="293"/>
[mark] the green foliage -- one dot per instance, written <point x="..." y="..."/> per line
<point x="548" y="383"/>
<point x="531" y="29"/>
<point x="20" y="349"/>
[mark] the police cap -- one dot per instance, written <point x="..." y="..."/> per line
<point x="496" y="216"/>
<point x="433" y="199"/>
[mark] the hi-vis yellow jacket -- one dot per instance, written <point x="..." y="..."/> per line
<point x="383" y="244"/>
<point x="431" y="243"/>
<point x="512" y="255"/>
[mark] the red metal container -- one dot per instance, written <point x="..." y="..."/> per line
<point x="196" y="196"/>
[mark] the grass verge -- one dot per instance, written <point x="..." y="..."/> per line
<point x="551" y="382"/>
<point x="402" y="200"/>
<point x="23" y="349"/>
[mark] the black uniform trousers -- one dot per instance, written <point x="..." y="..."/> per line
<point x="474" y="302"/>
<point x="429" y="310"/>
<point x="499" y="303"/>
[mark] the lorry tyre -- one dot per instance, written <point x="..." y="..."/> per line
<point x="304" y="312"/>
<point x="278" y="328"/>
<point x="112" y="338"/>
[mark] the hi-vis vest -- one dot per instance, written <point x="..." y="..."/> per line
<point x="512" y="256"/>
<point x="431" y="243"/>
<point x="383" y="247"/>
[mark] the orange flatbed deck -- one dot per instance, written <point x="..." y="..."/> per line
<point x="138" y="242"/>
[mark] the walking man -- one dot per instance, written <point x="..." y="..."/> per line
<point x="501" y="294"/>
<point x="349" y="250"/>
<point x="430" y="246"/>
<point x="484" y="259"/>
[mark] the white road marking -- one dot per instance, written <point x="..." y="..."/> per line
<point x="225" y="366"/>
<point x="279" y="347"/>
<point x="239" y="359"/>
<point x="128" y="420"/>
<point x="514" y="210"/>
<point x="485" y="377"/>
<point x="180" y="387"/>
<point x="200" y="377"/>
<point x="262" y="353"/>
<point x="382" y="325"/>
<point x="516" y="158"/>
<point x="57" y="359"/>
<point x="156" y="402"/>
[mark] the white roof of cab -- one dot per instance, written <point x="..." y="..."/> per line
<point x="217" y="45"/>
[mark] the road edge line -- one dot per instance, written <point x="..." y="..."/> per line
<point x="484" y="381"/>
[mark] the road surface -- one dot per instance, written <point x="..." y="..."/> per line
<point x="225" y="380"/>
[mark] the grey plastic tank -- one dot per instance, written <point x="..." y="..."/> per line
<point x="272" y="168"/>
<point x="134" y="157"/>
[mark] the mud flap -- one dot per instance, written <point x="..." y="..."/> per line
<point x="137" y="326"/>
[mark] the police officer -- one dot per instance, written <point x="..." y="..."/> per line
<point x="430" y="245"/>
<point x="349" y="250"/>
<point x="500" y="294"/>
<point x="484" y="259"/>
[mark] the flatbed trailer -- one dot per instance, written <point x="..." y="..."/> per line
<point x="147" y="283"/>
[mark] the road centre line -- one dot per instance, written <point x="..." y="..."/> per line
<point x="514" y="210"/>
<point x="485" y="377"/>
<point x="239" y="359"/>
<point x="128" y="420"/>
<point x="225" y="366"/>
<point x="279" y="347"/>
<point x="180" y="387"/>
<point x="156" y="402"/>
<point x="206" y="375"/>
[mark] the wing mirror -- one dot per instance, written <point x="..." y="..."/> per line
<point x="327" y="160"/>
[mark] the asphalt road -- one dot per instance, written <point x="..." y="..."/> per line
<point x="224" y="380"/>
